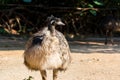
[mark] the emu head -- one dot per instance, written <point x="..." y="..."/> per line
<point x="117" y="23"/>
<point x="54" y="21"/>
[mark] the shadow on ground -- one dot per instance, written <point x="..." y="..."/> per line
<point x="82" y="46"/>
<point x="94" y="47"/>
<point x="12" y="43"/>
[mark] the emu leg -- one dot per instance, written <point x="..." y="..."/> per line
<point x="106" y="37"/>
<point x="43" y="74"/>
<point x="55" y="73"/>
<point x="106" y="40"/>
<point x="111" y="38"/>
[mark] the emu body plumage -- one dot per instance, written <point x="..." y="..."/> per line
<point x="47" y="49"/>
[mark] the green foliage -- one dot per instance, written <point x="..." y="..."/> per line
<point x="29" y="78"/>
<point x="93" y="12"/>
<point x="90" y="6"/>
<point x="98" y="2"/>
<point x="2" y="31"/>
<point x="8" y="1"/>
<point x="31" y="19"/>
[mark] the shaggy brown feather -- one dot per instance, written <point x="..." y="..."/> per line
<point x="52" y="53"/>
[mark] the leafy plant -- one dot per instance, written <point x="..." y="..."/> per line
<point x="29" y="78"/>
<point x="8" y="1"/>
<point x="98" y="2"/>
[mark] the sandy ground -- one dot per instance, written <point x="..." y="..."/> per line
<point x="90" y="61"/>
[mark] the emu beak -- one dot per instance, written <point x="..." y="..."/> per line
<point x="60" y="23"/>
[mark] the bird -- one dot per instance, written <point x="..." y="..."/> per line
<point x="48" y="49"/>
<point x="109" y="24"/>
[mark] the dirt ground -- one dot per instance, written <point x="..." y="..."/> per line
<point x="90" y="61"/>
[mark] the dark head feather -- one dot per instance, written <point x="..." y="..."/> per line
<point x="37" y="40"/>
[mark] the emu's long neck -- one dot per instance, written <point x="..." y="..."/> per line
<point x="52" y="29"/>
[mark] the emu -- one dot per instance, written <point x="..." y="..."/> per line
<point x="108" y="25"/>
<point x="48" y="49"/>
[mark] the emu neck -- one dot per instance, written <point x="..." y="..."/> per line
<point x="52" y="30"/>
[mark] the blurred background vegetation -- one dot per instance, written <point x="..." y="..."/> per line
<point x="82" y="17"/>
